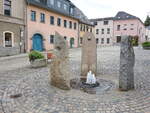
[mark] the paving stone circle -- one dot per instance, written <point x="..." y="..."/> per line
<point x="38" y="96"/>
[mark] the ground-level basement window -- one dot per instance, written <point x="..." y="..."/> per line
<point x="8" y="39"/>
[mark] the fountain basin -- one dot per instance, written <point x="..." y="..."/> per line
<point x="100" y="87"/>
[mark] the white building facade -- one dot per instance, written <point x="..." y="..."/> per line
<point x="103" y="31"/>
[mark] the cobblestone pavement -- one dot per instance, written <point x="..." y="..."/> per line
<point x="38" y="96"/>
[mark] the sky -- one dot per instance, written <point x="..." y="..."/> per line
<point x="109" y="8"/>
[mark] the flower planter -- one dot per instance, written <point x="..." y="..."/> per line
<point x="49" y="55"/>
<point x="38" y="63"/>
<point x="146" y="48"/>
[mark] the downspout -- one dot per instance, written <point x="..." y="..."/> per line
<point x="78" y="34"/>
<point x="26" y="29"/>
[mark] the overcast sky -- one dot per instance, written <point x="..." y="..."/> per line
<point x="108" y="8"/>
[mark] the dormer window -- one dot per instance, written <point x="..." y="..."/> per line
<point x="50" y="2"/>
<point x="65" y="7"/>
<point x="71" y="10"/>
<point x="58" y="4"/>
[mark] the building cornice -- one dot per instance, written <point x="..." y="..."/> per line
<point x="10" y="19"/>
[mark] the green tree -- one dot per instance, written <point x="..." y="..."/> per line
<point x="147" y="21"/>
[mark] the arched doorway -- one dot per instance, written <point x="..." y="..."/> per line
<point x="71" y="42"/>
<point x="37" y="41"/>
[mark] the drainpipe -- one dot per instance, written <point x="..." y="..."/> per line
<point x="78" y="35"/>
<point x="20" y="41"/>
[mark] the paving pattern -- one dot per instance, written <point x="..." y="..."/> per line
<point x="38" y="96"/>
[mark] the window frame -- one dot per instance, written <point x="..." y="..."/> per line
<point x="70" y="24"/>
<point x="3" y="6"/>
<point x="12" y="38"/>
<point x="50" y="41"/>
<point x="59" y="22"/>
<point x="118" y="26"/>
<point x="106" y="22"/>
<point x="34" y="15"/>
<point x="97" y="31"/>
<point x="75" y="25"/>
<point x="108" y="40"/>
<point x="42" y="14"/>
<point x="102" y="31"/>
<point x="102" y="40"/>
<point x="65" y="23"/>
<point x="59" y="3"/>
<point x="108" y="30"/>
<point x="65" y="7"/>
<point x="52" y="23"/>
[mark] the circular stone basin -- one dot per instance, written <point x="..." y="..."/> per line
<point x="100" y="87"/>
<point x="85" y="85"/>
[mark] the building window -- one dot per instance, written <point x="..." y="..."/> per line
<point x="102" y="31"/>
<point x="65" y="23"/>
<point x="59" y="22"/>
<point x="108" y="40"/>
<point x="118" y="27"/>
<point x="51" y="39"/>
<point x="75" y="26"/>
<point x="97" y="40"/>
<point x="105" y="22"/>
<point x="84" y="28"/>
<point x="70" y="25"/>
<point x="42" y="17"/>
<point x="102" y="40"/>
<point x="71" y="10"/>
<point x="58" y="4"/>
<point x="87" y="28"/>
<point x="108" y="30"/>
<point x="7" y="7"/>
<point x="118" y="39"/>
<point x="95" y="23"/>
<point x="33" y="16"/>
<point x="146" y="38"/>
<point x="65" y="37"/>
<point x="52" y="20"/>
<point x="81" y="27"/>
<point x="81" y="40"/>
<point x="97" y="31"/>
<point x="8" y="39"/>
<point x="91" y="30"/>
<point x="65" y="7"/>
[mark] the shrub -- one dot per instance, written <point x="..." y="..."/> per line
<point x="33" y="55"/>
<point x="146" y="44"/>
<point x="135" y="40"/>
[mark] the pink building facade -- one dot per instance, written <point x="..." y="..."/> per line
<point x="133" y="27"/>
<point x="126" y="24"/>
<point x="122" y="24"/>
<point x="46" y="31"/>
<point x="45" y="17"/>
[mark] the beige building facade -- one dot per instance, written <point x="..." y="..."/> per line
<point x="12" y="27"/>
